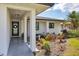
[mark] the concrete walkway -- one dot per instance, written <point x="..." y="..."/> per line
<point x="18" y="48"/>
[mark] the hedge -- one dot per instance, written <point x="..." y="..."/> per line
<point x="73" y="33"/>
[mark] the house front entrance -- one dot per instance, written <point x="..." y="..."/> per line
<point x="15" y="28"/>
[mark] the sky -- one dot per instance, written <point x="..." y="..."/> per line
<point x="60" y="10"/>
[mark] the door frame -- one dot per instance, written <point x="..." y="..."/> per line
<point x="19" y="28"/>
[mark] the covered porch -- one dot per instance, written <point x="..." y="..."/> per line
<point x="18" y="27"/>
<point x="11" y="26"/>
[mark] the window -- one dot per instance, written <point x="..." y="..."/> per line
<point x="37" y="25"/>
<point x="51" y="25"/>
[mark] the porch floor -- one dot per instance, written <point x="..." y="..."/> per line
<point x="18" y="48"/>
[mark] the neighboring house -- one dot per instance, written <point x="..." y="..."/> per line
<point x="13" y="22"/>
<point x="47" y="25"/>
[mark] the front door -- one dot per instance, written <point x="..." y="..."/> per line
<point x="15" y="28"/>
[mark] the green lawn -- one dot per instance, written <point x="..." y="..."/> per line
<point x="74" y="42"/>
<point x="72" y="47"/>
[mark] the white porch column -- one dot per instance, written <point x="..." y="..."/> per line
<point x="47" y="26"/>
<point x="4" y="30"/>
<point x="25" y="28"/>
<point x="32" y="31"/>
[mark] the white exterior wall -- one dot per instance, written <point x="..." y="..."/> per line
<point x="57" y="27"/>
<point x="42" y="27"/>
<point x="22" y="26"/>
<point x="8" y="30"/>
<point x="4" y="30"/>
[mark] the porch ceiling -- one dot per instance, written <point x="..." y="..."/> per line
<point x="16" y="14"/>
<point x="38" y="7"/>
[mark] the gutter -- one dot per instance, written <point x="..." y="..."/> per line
<point x="50" y="19"/>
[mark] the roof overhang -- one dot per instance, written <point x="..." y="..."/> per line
<point x="48" y="4"/>
<point x="48" y="19"/>
<point x="51" y="20"/>
<point x="38" y="7"/>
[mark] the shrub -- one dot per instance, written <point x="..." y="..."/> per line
<point x="73" y="33"/>
<point x="49" y="37"/>
<point x="47" y="48"/>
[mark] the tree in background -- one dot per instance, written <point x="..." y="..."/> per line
<point x="74" y="19"/>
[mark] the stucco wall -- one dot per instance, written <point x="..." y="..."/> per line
<point x="57" y="27"/>
<point x="42" y="27"/>
<point x="22" y="26"/>
<point x="4" y="30"/>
